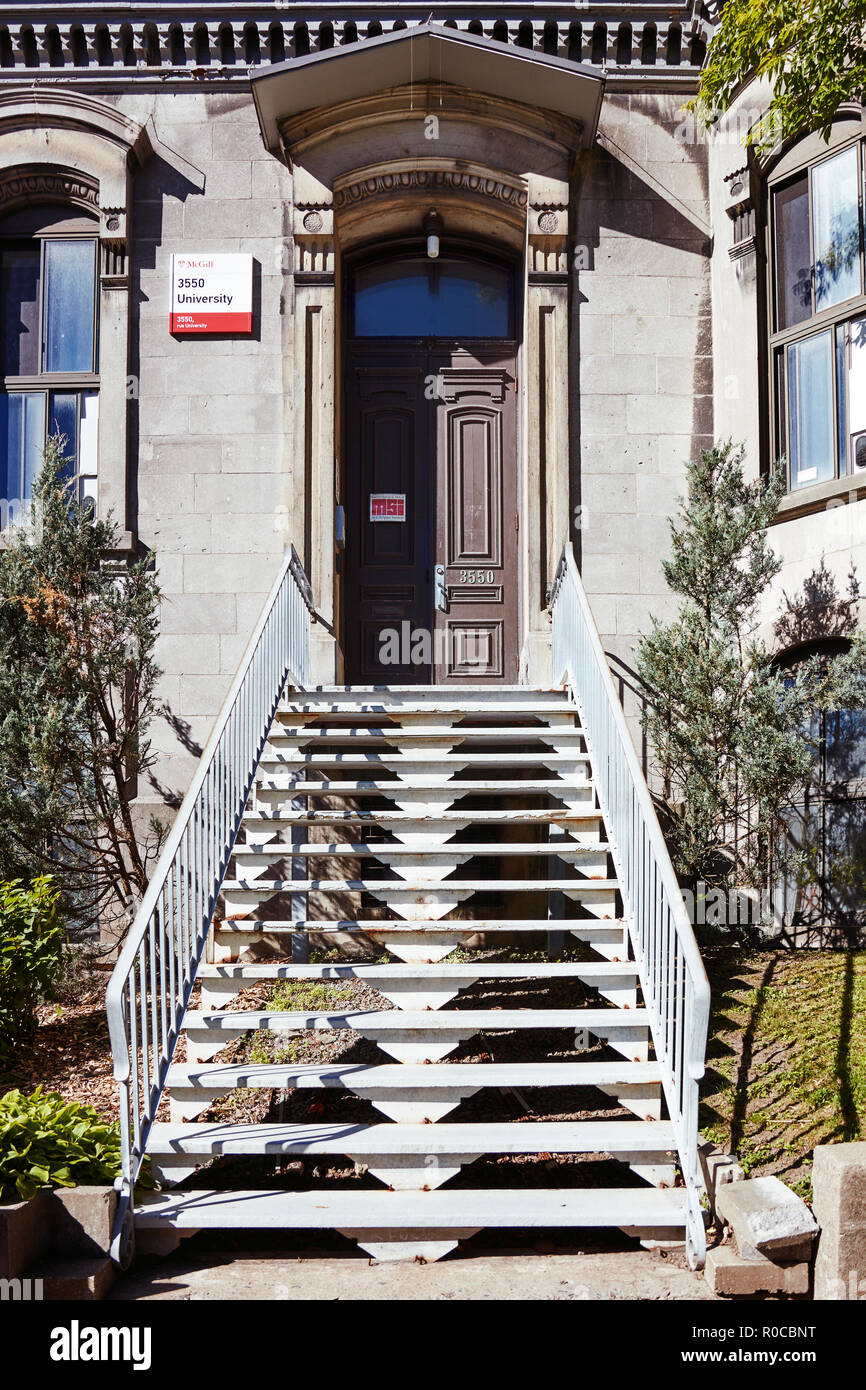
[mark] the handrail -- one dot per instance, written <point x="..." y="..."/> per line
<point x="151" y="983"/>
<point x="672" y="976"/>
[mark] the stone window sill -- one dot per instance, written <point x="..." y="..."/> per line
<point x="838" y="492"/>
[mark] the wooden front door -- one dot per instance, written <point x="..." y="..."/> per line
<point x="431" y="513"/>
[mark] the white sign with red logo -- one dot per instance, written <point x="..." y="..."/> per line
<point x="212" y="293"/>
<point x="387" y="506"/>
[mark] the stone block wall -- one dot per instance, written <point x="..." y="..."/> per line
<point x="642" y="377"/>
<point x="213" y="494"/>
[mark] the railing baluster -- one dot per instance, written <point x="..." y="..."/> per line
<point x="157" y="966"/>
<point x="672" y="976"/>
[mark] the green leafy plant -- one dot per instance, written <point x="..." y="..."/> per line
<point x="32" y="947"/>
<point x="725" y="730"/>
<point x="813" y="51"/>
<point x="78" y="678"/>
<point x="46" y="1141"/>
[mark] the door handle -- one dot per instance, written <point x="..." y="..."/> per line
<point x="440" y="593"/>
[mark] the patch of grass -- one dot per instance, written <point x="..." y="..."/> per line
<point x="786" y="1057"/>
<point x="307" y="996"/>
<point x="265" y="1049"/>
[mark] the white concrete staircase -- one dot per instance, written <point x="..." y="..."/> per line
<point x="450" y="831"/>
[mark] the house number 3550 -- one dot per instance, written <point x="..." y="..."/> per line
<point x="476" y="576"/>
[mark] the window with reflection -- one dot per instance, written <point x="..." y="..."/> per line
<point x="818" y="312"/>
<point x="49" y="382"/>
<point x="416" y="297"/>
<point x="828" y="823"/>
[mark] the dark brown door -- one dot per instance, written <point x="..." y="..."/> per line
<point x="431" y="514"/>
<point x="476" y="519"/>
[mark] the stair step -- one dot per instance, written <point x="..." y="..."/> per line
<point x="406" y="1020"/>
<point x="581" y="1136"/>
<point x="601" y="928"/>
<point x="444" y="1209"/>
<point x="362" y="970"/>
<point x="367" y="970"/>
<point x="496" y="733"/>
<point x="214" y="1078"/>
<point x="259" y="820"/>
<point x="364" y="787"/>
<point x="394" y="849"/>
<point x="266" y="887"/>
<point x="456" y="699"/>
<point x="385" y="757"/>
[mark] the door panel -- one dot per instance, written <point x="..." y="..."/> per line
<point x="477" y="511"/>
<point x="388" y="588"/>
<point x="448" y="453"/>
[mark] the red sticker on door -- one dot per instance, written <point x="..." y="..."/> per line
<point x="387" y="506"/>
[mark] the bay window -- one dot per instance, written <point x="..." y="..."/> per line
<point x="49" y="381"/>
<point x="818" y="316"/>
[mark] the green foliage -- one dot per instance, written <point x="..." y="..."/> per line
<point x="47" y="1141"/>
<point x="31" y="952"/>
<point x="725" y="730"/>
<point x="814" y="51"/>
<point x="77" y="695"/>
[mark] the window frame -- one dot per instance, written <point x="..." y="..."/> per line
<point x="47" y="383"/>
<point x="805" y="157"/>
<point x="410" y="249"/>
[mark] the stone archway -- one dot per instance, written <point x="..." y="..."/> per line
<point x="367" y="161"/>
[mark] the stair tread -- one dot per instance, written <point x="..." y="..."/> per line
<point x="491" y="817"/>
<point x="362" y="970"/>
<point x="478" y="786"/>
<point x="405" y="1020"/>
<point x="408" y="1076"/>
<point x="453" y="757"/>
<point x="438" y="1210"/>
<point x="602" y="928"/>
<point x="419" y="885"/>
<point x="366" y="849"/>
<point x="375" y="734"/>
<point x="491" y="1137"/>
<point x="417" y="709"/>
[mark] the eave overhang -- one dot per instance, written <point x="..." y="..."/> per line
<point x="426" y="53"/>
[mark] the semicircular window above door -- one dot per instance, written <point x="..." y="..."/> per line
<point x="416" y="297"/>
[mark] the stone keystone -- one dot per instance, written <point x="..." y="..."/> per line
<point x="767" y="1218"/>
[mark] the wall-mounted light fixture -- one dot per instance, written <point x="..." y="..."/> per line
<point x="432" y="225"/>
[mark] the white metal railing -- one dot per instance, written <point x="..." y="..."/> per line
<point x="151" y="983"/>
<point x="674" y="983"/>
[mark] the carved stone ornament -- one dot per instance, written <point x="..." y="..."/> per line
<point x="429" y="180"/>
<point x="47" y="186"/>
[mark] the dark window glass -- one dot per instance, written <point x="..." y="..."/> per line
<point x="845" y="735"/>
<point x="793" y="278"/>
<point x="426" y="298"/>
<point x="22" y="440"/>
<point x="19" y="288"/>
<point x="68" y="306"/>
<point x="63" y="420"/>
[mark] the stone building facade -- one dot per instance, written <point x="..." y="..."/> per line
<point x="633" y="280"/>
